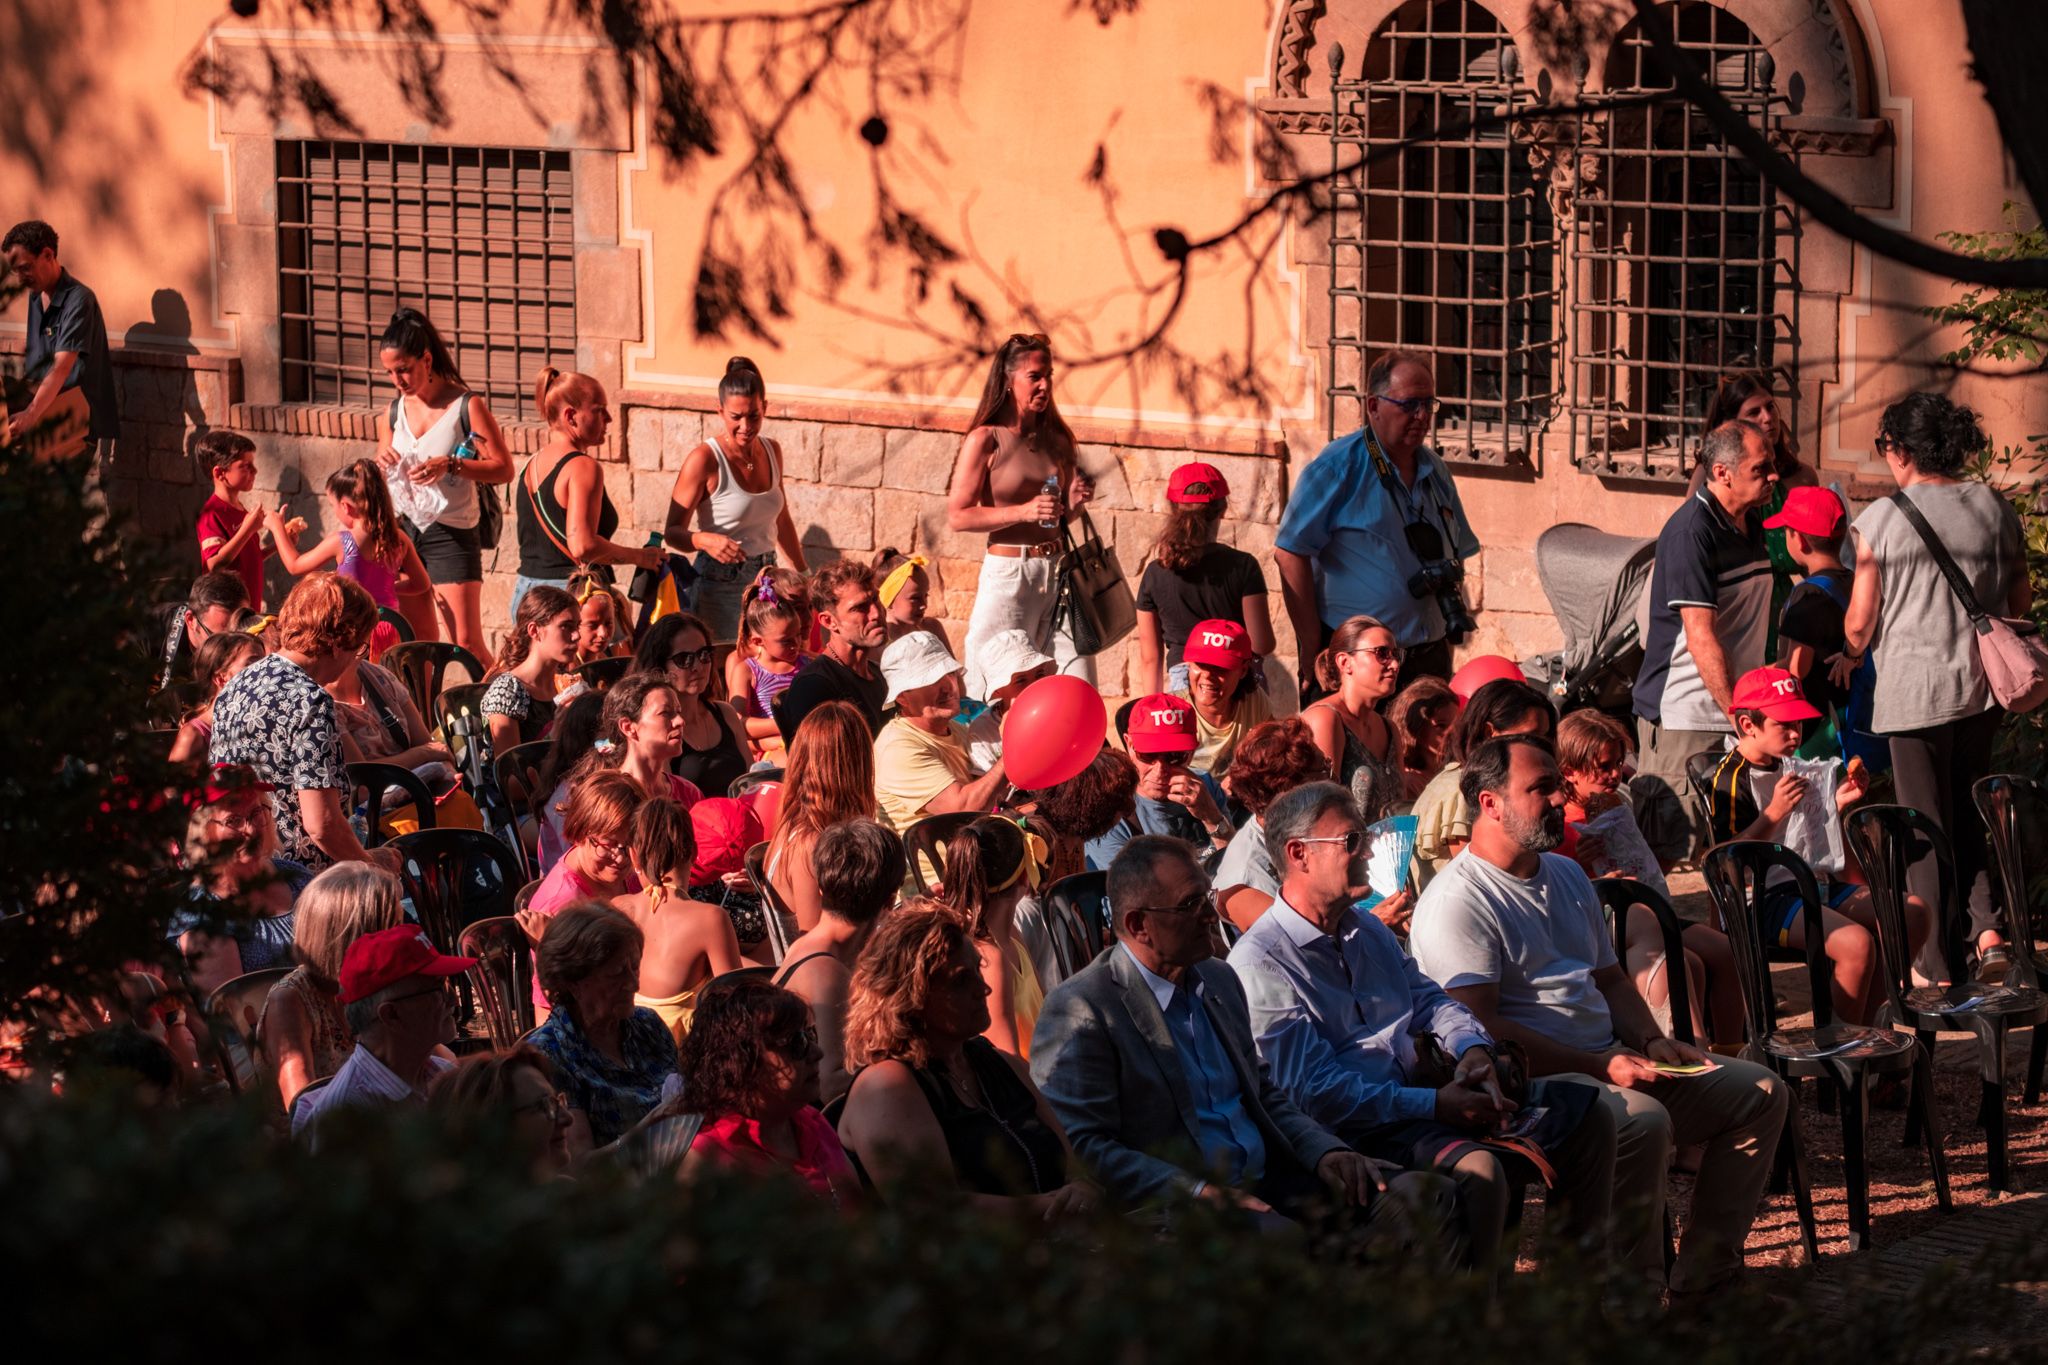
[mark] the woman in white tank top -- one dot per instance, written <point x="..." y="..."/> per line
<point x="732" y="488"/>
<point x="434" y="478"/>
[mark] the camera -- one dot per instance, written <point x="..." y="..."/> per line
<point x="1440" y="577"/>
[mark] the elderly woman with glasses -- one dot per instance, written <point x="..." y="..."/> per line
<point x="510" y="1092"/>
<point x="614" y="1060"/>
<point x="238" y="911"/>
<point x="750" y="1067"/>
<point x="714" y="738"/>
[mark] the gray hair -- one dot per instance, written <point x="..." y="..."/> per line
<point x="362" y="1014"/>
<point x="1133" y="879"/>
<point x="1295" y="815"/>
<point x="1724" y="445"/>
<point x="1380" y="378"/>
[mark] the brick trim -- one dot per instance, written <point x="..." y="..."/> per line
<point x="908" y="417"/>
<point x="360" y="424"/>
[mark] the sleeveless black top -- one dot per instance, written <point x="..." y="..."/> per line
<point x="712" y="769"/>
<point x="1004" y="1148"/>
<point x="538" y="555"/>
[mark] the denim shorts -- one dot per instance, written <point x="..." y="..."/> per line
<point x="717" y="593"/>
<point x="1779" y="909"/>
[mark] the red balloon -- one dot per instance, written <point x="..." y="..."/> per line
<point x="1054" y="730"/>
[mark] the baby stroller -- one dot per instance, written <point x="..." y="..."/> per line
<point x="1595" y="581"/>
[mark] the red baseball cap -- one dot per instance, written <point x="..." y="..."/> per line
<point x="726" y="827"/>
<point x="1160" y="724"/>
<point x="224" y="780"/>
<point x="375" y="961"/>
<point x="1774" y="692"/>
<point x="1222" y="644"/>
<point x="1197" y="483"/>
<point x="1477" y="673"/>
<point x="1811" y="510"/>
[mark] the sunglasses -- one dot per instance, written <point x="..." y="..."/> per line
<point x="1428" y="407"/>
<point x="1352" y="842"/>
<point x="691" y="658"/>
<point x="1175" y="758"/>
<point x="1202" y="903"/>
<point x="1386" y="656"/>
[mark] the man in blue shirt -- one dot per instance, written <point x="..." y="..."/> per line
<point x="1343" y="546"/>
<point x="67" y="362"/>
<point x="1337" y="1010"/>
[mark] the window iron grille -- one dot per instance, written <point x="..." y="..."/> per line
<point x="1446" y="245"/>
<point x="479" y="239"/>
<point x="1683" y="261"/>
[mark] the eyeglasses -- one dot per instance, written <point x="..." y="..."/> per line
<point x="691" y="658"/>
<point x="1351" y="841"/>
<point x="1386" y="656"/>
<point x="554" y="1106"/>
<point x="1889" y="445"/>
<point x="1202" y="903"/>
<point x="1427" y="407"/>
<point x="440" y="990"/>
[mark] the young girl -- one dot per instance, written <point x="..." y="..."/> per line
<point x="519" y="704"/>
<point x="686" y="942"/>
<point x="1422" y="714"/>
<point x="1192" y="579"/>
<point x="217" y="661"/>
<point x="603" y="620"/>
<point x="905" y="590"/>
<point x="770" y="651"/>
<point x="1592" y="758"/>
<point x="367" y="545"/>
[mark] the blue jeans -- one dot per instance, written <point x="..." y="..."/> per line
<point x="720" y="589"/>
<point x="522" y="585"/>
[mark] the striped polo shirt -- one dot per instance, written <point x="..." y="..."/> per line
<point x="1704" y="559"/>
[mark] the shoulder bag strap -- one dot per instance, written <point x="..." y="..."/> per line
<point x="1959" y="585"/>
<point x="540" y="509"/>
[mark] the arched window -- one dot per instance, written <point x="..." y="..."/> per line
<point x="1682" y="260"/>
<point x="1448" y="246"/>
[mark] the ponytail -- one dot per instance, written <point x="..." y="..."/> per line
<point x="554" y="390"/>
<point x="362" y="483"/>
<point x="412" y="335"/>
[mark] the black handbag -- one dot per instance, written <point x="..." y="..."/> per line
<point x="1093" y="605"/>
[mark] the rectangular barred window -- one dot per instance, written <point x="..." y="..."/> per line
<point x="480" y="239"/>
<point x="1445" y="245"/>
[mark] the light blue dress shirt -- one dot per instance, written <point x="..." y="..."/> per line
<point x="1232" y="1150"/>
<point x="1341" y="517"/>
<point x="1336" y="1017"/>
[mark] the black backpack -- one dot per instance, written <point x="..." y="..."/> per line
<point x="490" y="508"/>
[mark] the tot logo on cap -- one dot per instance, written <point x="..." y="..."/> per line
<point x="1774" y="692"/>
<point x="1220" y="644"/>
<point x="1160" y="724"/>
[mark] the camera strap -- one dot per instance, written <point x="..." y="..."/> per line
<point x="1391" y="481"/>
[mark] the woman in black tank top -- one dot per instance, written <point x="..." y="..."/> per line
<point x="712" y="754"/>
<point x="565" y="516"/>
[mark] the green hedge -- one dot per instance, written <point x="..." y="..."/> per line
<point x="182" y="1235"/>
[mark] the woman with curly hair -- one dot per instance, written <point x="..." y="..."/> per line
<point x="750" y="1067"/>
<point x="830" y="779"/>
<point x="1282" y="755"/>
<point x="931" y="1092"/>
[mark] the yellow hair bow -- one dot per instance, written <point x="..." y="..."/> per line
<point x="1037" y="853"/>
<point x="892" y="585"/>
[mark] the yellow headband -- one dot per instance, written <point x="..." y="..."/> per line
<point x="898" y="576"/>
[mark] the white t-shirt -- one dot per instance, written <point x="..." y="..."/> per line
<point x="1541" y="940"/>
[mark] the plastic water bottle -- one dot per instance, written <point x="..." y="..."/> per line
<point x="1052" y="490"/>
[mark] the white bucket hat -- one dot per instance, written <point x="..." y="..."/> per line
<point x="1004" y="656"/>
<point x="918" y="659"/>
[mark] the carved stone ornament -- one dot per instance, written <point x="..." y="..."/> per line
<point x="1297" y="35"/>
<point x="1558" y="157"/>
